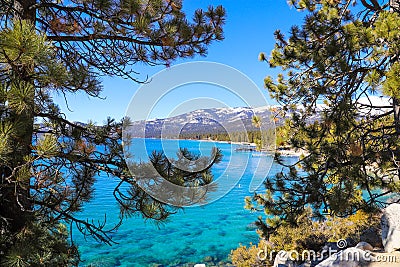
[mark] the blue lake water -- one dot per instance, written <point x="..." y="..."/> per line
<point x="193" y="233"/>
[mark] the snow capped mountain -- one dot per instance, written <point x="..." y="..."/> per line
<point x="374" y="105"/>
<point x="202" y="121"/>
<point x="239" y="119"/>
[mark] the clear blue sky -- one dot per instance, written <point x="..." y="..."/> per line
<point x="249" y="29"/>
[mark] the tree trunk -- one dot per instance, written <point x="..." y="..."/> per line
<point x="15" y="204"/>
<point x="395" y="7"/>
<point x="24" y="10"/>
<point x="396" y="109"/>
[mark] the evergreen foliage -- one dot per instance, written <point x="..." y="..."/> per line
<point x="248" y="136"/>
<point x="48" y="164"/>
<point x="307" y="235"/>
<point x="345" y="53"/>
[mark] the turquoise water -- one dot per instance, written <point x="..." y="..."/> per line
<point x="193" y="235"/>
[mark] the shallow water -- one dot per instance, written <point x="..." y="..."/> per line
<point x="193" y="235"/>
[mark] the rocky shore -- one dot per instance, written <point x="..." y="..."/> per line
<point x="376" y="248"/>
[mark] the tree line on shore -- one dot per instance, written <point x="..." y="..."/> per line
<point x="270" y="137"/>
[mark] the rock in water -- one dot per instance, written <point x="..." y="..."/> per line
<point x="390" y="223"/>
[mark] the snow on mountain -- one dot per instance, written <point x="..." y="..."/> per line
<point x="238" y="119"/>
<point x="374" y="105"/>
<point x="213" y="120"/>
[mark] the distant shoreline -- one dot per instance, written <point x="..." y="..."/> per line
<point x="282" y="152"/>
<point x="292" y="152"/>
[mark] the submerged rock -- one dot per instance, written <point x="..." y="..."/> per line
<point x="208" y="259"/>
<point x="390" y="223"/>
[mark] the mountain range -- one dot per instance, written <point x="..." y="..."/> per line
<point x="203" y="121"/>
<point x="238" y="119"/>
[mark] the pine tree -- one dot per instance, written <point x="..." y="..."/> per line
<point x="343" y="54"/>
<point x="256" y="121"/>
<point x="48" y="164"/>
